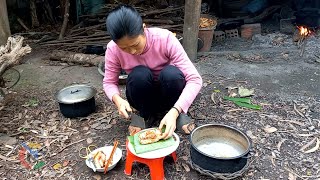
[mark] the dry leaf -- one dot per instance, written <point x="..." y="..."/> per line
<point x="243" y="92"/>
<point x="97" y="177"/>
<point x="272" y="158"/>
<point x="250" y="134"/>
<point x="108" y="126"/>
<point x="47" y="143"/>
<point x="85" y="128"/>
<point x="178" y="167"/>
<point x="89" y="140"/>
<point x="186" y="167"/>
<point x="270" y="129"/>
<point x="57" y="166"/>
<point x="315" y="148"/>
<point x="185" y="158"/>
<point x="308" y="144"/>
<point x="65" y="163"/>
<point x="280" y="143"/>
<point x="34" y="145"/>
<point x="292" y="176"/>
<point x="212" y="98"/>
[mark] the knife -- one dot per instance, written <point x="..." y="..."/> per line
<point x="137" y="121"/>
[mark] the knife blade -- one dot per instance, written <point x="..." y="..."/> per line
<point x="137" y="121"/>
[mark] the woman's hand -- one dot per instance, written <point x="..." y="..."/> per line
<point x="122" y="105"/>
<point x="169" y="120"/>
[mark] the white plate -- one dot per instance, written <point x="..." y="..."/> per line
<point x="107" y="151"/>
<point x="157" y="153"/>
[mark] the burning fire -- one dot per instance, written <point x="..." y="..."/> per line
<point x="304" y="31"/>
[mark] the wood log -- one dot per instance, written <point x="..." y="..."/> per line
<point x="160" y="21"/>
<point x="159" y="11"/>
<point x="78" y="58"/>
<point x="11" y="53"/>
<point x="65" y="20"/>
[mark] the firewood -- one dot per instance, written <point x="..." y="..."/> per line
<point x="79" y="58"/>
<point x="11" y="53"/>
<point x="160" y="21"/>
<point x="159" y="11"/>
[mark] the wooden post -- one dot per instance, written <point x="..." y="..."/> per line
<point x="191" y="27"/>
<point x="4" y="23"/>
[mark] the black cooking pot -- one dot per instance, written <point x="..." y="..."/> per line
<point x="219" y="148"/>
<point x="76" y="100"/>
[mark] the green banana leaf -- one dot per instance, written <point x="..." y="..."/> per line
<point x="243" y="100"/>
<point x="251" y="106"/>
<point x="143" y="148"/>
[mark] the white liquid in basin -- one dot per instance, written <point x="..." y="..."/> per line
<point x="219" y="149"/>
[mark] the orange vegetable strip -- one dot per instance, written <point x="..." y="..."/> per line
<point x="111" y="156"/>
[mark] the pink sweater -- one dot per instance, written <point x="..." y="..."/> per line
<point x="162" y="48"/>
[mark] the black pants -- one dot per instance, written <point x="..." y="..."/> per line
<point x="149" y="96"/>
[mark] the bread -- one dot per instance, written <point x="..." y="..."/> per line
<point x="99" y="159"/>
<point x="150" y="136"/>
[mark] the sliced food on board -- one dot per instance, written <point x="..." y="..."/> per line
<point x="150" y="136"/>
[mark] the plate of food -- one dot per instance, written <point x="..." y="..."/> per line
<point x="97" y="159"/>
<point x="150" y="136"/>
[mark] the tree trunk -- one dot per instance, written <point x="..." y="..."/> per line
<point x="4" y="23"/>
<point x="65" y="19"/>
<point x="34" y="17"/>
<point x="191" y="27"/>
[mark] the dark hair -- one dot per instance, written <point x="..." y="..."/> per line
<point x="123" y="21"/>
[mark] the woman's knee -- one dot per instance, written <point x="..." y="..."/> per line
<point x="171" y="73"/>
<point x="140" y="74"/>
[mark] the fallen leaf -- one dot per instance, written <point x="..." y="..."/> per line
<point x="97" y="177"/>
<point x="34" y="131"/>
<point x="185" y="158"/>
<point x="270" y="129"/>
<point x="243" y="92"/>
<point x="95" y="125"/>
<point x="89" y="140"/>
<point x="308" y="144"/>
<point x="315" y="148"/>
<point x="47" y="143"/>
<point x="86" y="128"/>
<point x="39" y="165"/>
<point x="65" y="163"/>
<point x="34" y="145"/>
<point x="272" y="158"/>
<point x="57" y="166"/>
<point x="280" y="143"/>
<point x="292" y="176"/>
<point x="212" y="98"/>
<point x="250" y="134"/>
<point x="178" y="167"/>
<point x="186" y="167"/>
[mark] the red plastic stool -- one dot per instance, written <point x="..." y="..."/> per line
<point x="155" y="165"/>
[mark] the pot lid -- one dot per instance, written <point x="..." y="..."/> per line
<point x="75" y="94"/>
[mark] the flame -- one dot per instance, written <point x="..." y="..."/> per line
<point x="304" y="31"/>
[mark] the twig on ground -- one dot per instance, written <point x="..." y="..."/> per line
<point x="291" y="171"/>
<point x="67" y="147"/>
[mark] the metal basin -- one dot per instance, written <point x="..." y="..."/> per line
<point x="219" y="148"/>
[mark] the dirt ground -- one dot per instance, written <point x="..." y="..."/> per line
<point x="285" y="133"/>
